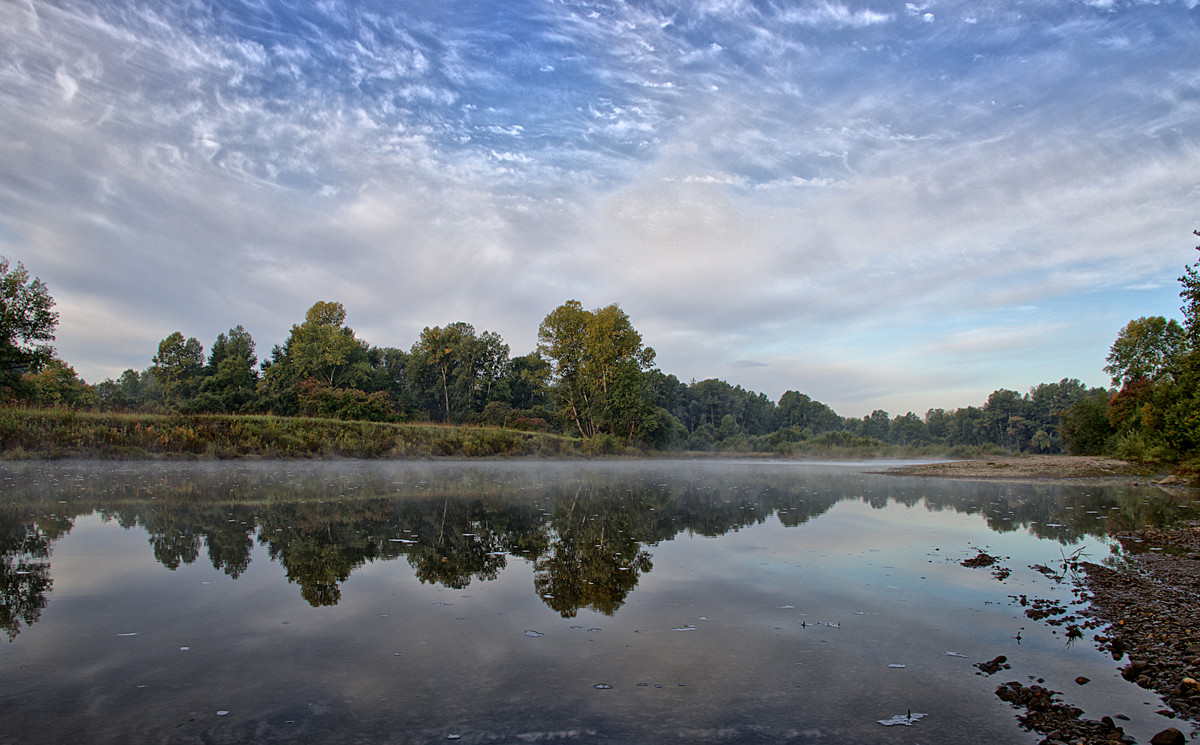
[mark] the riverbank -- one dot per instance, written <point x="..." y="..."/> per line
<point x="1145" y="611"/>
<point x="67" y="433"/>
<point x="1072" y="468"/>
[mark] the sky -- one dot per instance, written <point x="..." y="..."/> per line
<point x="896" y="205"/>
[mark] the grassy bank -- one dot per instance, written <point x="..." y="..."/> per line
<point x="67" y="433"/>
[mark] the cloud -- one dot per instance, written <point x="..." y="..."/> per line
<point x="789" y="199"/>
<point x="836" y="15"/>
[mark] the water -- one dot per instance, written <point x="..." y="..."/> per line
<point x="597" y="602"/>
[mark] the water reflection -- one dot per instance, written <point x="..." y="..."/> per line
<point x="24" y="573"/>
<point x="586" y="528"/>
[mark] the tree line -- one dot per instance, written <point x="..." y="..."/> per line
<point x="1152" y="411"/>
<point x="592" y="376"/>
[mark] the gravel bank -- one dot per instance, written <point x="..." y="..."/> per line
<point x="1146" y="613"/>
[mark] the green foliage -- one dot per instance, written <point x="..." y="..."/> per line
<point x="455" y="372"/>
<point x="1085" y="426"/>
<point x="132" y="390"/>
<point x="231" y="379"/>
<point x="591" y="375"/>
<point x="1145" y="348"/>
<point x="178" y="368"/>
<point x="55" y="433"/>
<point x="596" y="363"/>
<point x="27" y="323"/>
<point x="1190" y="293"/>
<point x="56" y="384"/>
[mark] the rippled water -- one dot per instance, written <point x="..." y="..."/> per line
<point x="599" y="602"/>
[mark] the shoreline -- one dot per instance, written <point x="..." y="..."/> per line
<point x="1145" y="614"/>
<point x="1053" y="468"/>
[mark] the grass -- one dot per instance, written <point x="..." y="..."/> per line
<point x="68" y="433"/>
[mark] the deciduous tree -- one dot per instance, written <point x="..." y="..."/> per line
<point x="178" y="367"/>
<point x="596" y="365"/>
<point x="27" y="323"/>
<point x="1145" y="348"/>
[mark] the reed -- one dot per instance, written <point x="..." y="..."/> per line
<point x="70" y="433"/>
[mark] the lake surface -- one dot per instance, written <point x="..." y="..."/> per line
<point x="592" y="602"/>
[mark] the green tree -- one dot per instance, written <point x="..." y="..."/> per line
<point x="1004" y="419"/>
<point x="56" y="384"/>
<point x="1191" y="301"/>
<point x="1084" y="426"/>
<point x="231" y="376"/>
<point x="457" y="371"/>
<point x="178" y="367"/>
<point x="132" y="390"/>
<point x="527" y="377"/>
<point x="27" y="323"/>
<point x="596" y="366"/>
<point x="798" y="410"/>
<point x="1145" y="348"/>
<point x="322" y="349"/>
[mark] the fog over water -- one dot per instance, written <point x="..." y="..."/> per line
<point x="519" y="601"/>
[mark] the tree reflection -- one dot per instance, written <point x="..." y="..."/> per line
<point x="24" y="574"/>
<point x="594" y="561"/>
<point x="587" y="530"/>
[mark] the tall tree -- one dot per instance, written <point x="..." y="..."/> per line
<point x="596" y="365"/>
<point x="458" y="368"/>
<point x="178" y="367"/>
<point x="1191" y="301"/>
<point x="27" y="323"/>
<point x="324" y="348"/>
<point x="322" y="354"/>
<point x="231" y="376"/>
<point x="1145" y="348"/>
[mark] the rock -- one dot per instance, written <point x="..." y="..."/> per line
<point x="1169" y="736"/>
<point x="1134" y="670"/>
<point x="994" y="666"/>
<point x="1082" y="680"/>
<point x="980" y="559"/>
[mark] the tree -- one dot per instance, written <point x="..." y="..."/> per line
<point x="27" y="323"/>
<point x="1145" y="348"/>
<point x="322" y="349"/>
<point x="56" y="384"/>
<point x="1085" y="427"/>
<point x="798" y="410"/>
<point x="132" y="390"/>
<point x="596" y="366"/>
<point x="526" y="377"/>
<point x="231" y="375"/>
<point x="178" y="367"/>
<point x="1191" y="301"/>
<point x="457" y="368"/>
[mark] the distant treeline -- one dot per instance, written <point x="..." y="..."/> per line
<point x="591" y="377"/>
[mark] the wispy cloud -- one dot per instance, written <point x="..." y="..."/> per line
<point x="834" y="14"/>
<point x="751" y="181"/>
